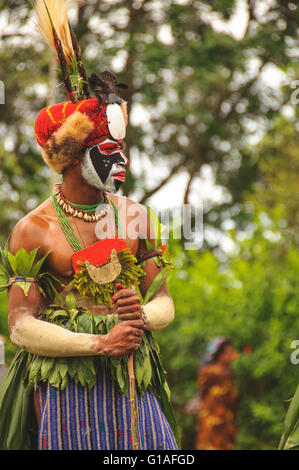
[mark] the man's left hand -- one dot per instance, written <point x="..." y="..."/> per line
<point x="127" y="304"/>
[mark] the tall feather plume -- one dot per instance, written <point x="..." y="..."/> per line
<point x="52" y="23"/>
<point x="55" y="11"/>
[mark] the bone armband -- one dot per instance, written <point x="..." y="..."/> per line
<point x="46" y="339"/>
<point x="159" y="312"/>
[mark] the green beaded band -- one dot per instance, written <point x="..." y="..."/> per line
<point x="89" y="208"/>
<point x="117" y="221"/>
<point x="68" y="229"/>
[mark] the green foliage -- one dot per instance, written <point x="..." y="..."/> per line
<point x="197" y="85"/>
<point x="9" y="348"/>
<point x="131" y="274"/>
<point x="276" y="191"/>
<point x="24" y="264"/>
<point x="148" y="368"/>
<point x="290" y="435"/>
<point x="206" y="104"/>
<point x="252" y="300"/>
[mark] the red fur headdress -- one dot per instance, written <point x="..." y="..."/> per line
<point x="64" y="129"/>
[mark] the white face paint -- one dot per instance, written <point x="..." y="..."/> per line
<point x="104" y="166"/>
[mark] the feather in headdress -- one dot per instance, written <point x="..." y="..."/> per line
<point x="52" y="23"/>
<point x="53" y="14"/>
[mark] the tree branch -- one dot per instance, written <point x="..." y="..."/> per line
<point x="174" y="169"/>
<point x="14" y="35"/>
<point x="188" y="187"/>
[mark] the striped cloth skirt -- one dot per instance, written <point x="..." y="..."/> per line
<point x="99" y="419"/>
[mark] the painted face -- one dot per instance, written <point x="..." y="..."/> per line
<point x="104" y="166"/>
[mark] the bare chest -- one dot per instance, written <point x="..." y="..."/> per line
<point x="62" y="243"/>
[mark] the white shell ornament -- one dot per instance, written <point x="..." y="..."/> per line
<point x="116" y="121"/>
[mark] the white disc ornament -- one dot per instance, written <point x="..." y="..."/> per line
<point x="116" y="121"/>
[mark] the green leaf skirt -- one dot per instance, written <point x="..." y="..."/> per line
<point x="27" y="371"/>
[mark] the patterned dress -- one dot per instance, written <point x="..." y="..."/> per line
<point x="216" y="421"/>
<point x="99" y="419"/>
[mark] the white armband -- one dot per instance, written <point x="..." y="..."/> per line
<point x="45" y="339"/>
<point x="159" y="312"/>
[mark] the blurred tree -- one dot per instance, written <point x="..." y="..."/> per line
<point x="276" y="190"/>
<point x="254" y="301"/>
<point x="196" y="93"/>
<point x="197" y="98"/>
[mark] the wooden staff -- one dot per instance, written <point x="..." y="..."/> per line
<point x="132" y="397"/>
<point x="132" y="394"/>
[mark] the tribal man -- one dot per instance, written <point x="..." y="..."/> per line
<point x="83" y="294"/>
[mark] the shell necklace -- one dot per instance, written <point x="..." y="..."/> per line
<point x="85" y="212"/>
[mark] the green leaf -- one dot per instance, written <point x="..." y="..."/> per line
<point x="90" y="378"/>
<point x="88" y="363"/>
<point x="120" y="377"/>
<point x="138" y="369"/>
<point x="290" y="435"/>
<point x="155" y="225"/>
<point x="31" y="257"/>
<point x="168" y="411"/>
<point x="58" y="314"/>
<point x="47" y="286"/>
<point x="24" y="261"/>
<point x="26" y="288"/>
<point x="64" y="382"/>
<point x="62" y="366"/>
<point x="157" y="283"/>
<point x="148" y="245"/>
<point x="16" y="418"/>
<point x="22" y="285"/>
<point x="80" y="374"/>
<point x="3" y="276"/>
<point x="37" y="267"/>
<point x="6" y="267"/>
<point x="73" y="365"/>
<point x="70" y="301"/>
<point x="85" y="324"/>
<point x="74" y="315"/>
<point x="89" y="371"/>
<point x="167" y="390"/>
<point x="147" y="377"/>
<point x="54" y="378"/>
<point x="12" y="263"/>
<point x="46" y="367"/>
<point x="35" y="368"/>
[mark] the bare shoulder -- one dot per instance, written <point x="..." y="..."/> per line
<point x="133" y="216"/>
<point x="124" y="203"/>
<point x="30" y="231"/>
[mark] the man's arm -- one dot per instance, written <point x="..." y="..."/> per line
<point x="46" y="339"/>
<point x="159" y="312"/>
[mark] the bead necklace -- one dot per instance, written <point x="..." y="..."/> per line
<point x="86" y="212"/>
<point x="68" y="230"/>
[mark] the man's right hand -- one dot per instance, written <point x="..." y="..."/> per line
<point x="123" y="339"/>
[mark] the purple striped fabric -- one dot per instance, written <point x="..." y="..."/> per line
<point x="99" y="419"/>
